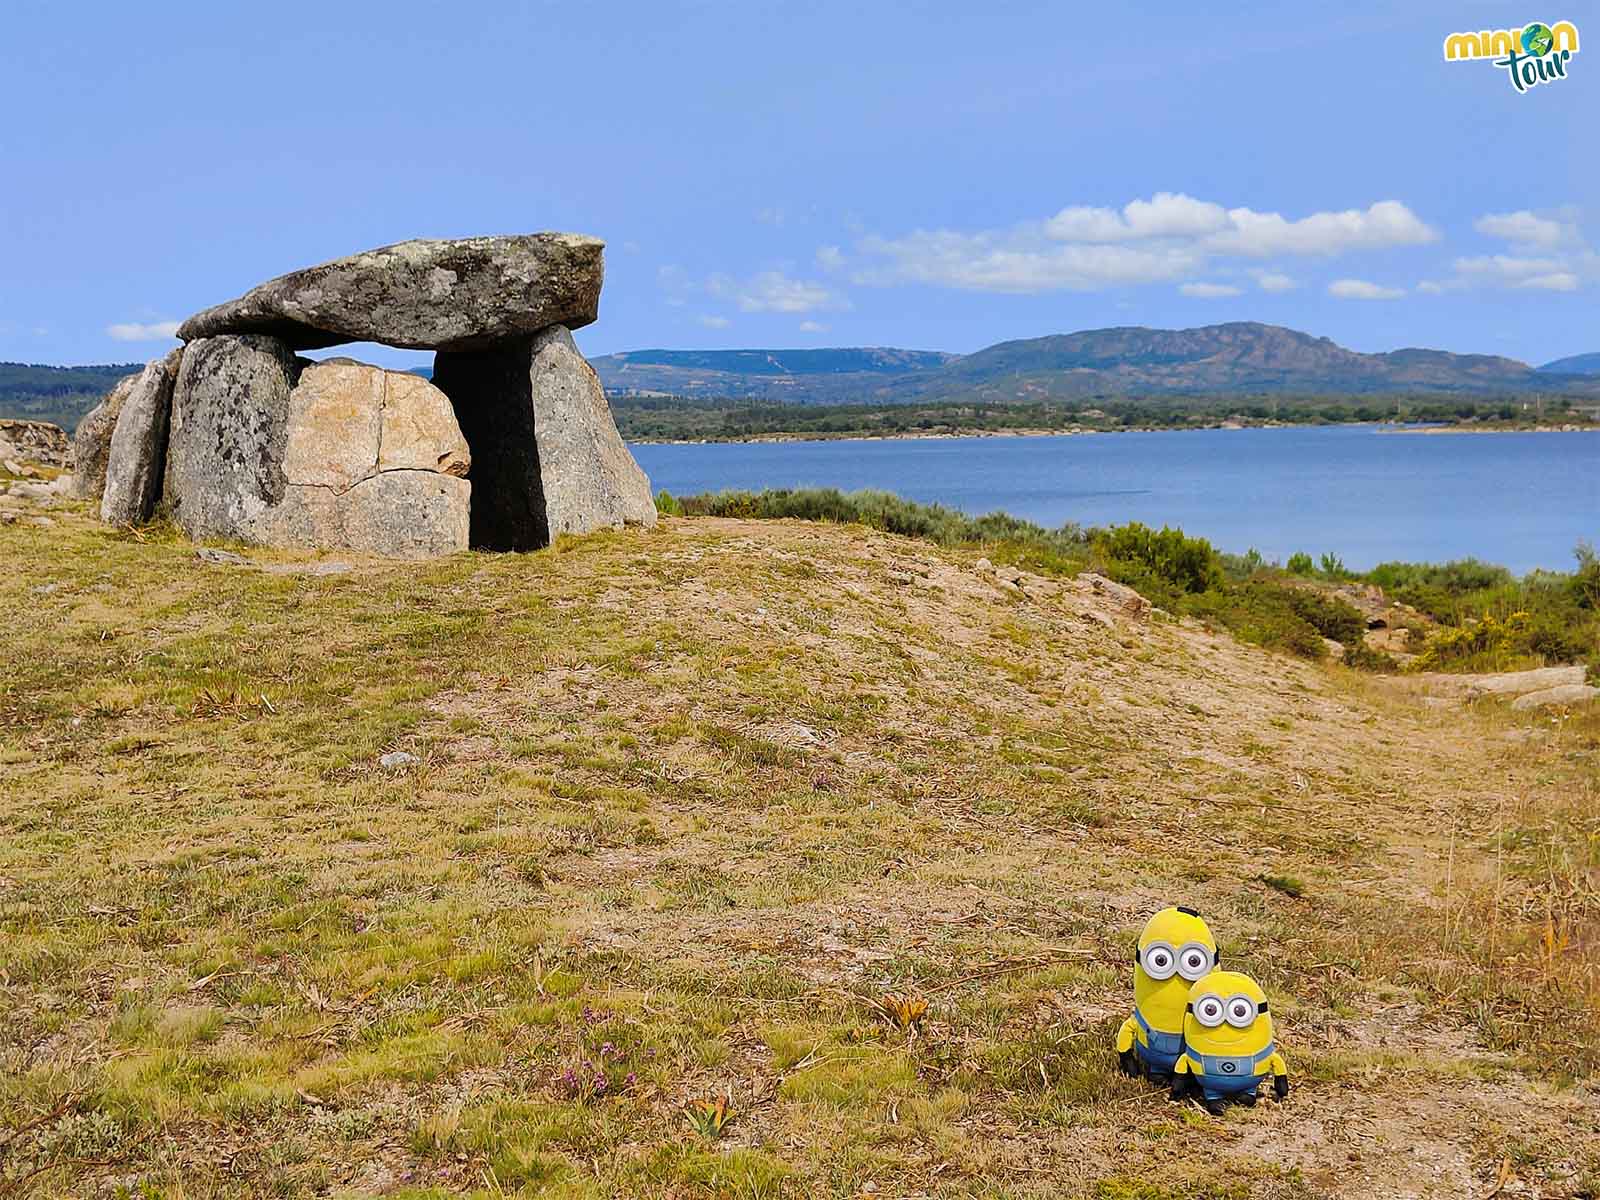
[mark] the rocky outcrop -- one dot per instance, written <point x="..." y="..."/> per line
<point x="428" y="294"/>
<point x="1129" y="602"/>
<point x="548" y="458"/>
<point x="35" y="442"/>
<point x="137" y="458"/>
<point x="91" y="442"/>
<point x="1567" y="693"/>
<point x="1501" y="683"/>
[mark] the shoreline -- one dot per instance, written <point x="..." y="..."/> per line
<point x="1472" y="430"/>
<point x="922" y="436"/>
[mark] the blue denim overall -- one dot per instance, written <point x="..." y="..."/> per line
<point x="1159" y="1051"/>
<point x="1220" y="1075"/>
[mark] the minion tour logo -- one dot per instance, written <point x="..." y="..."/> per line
<point x="1535" y="54"/>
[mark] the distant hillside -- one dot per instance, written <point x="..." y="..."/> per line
<point x="60" y="395"/>
<point x="807" y="376"/>
<point x="1239" y="358"/>
<point x="1577" y="364"/>
<point x="1132" y="362"/>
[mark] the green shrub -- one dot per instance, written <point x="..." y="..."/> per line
<point x="1163" y="565"/>
<point x="1551" y="617"/>
<point x="1362" y="657"/>
<point x="1486" y="645"/>
<point x="1328" y="615"/>
<point x="1454" y="578"/>
<point x="1261" y="613"/>
<point x="1585" y="584"/>
<point x="1065" y="550"/>
<point x="1332" y="567"/>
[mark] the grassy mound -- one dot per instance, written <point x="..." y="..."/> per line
<point x="686" y="807"/>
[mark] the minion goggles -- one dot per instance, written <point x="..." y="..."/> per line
<point x="1162" y="960"/>
<point x="1239" y="1011"/>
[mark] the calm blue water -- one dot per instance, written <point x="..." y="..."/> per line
<point x="1521" y="499"/>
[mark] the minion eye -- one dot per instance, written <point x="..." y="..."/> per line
<point x="1241" y="1012"/>
<point x="1160" y="960"/>
<point x="1194" y="960"/>
<point x="1208" y="1011"/>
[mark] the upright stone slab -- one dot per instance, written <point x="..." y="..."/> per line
<point x="138" y="456"/>
<point x="428" y="294"/>
<point x="91" y="441"/>
<point x="547" y="458"/>
<point x="373" y="461"/>
<point x="398" y="514"/>
<point x="230" y="418"/>
<point x="272" y="449"/>
<point x="590" y="479"/>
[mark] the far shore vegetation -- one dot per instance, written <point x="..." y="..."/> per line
<point x="62" y="395"/>
<point x="655" y="418"/>
<point x="1470" y="615"/>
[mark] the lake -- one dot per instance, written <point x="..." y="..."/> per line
<point x="1521" y="499"/>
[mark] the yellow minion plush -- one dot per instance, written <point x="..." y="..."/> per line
<point x="1175" y="949"/>
<point x="1228" y="1048"/>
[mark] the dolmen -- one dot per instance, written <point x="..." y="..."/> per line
<point x="236" y="436"/>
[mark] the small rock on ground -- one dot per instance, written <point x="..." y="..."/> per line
<point x="397" y="758"/>
<point x="221" y="557"/>
<point x="1570" y="693"/>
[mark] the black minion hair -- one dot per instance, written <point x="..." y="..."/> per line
<point x="1187" y="911"/>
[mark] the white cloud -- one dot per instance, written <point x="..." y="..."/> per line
<point x="1506" y="270"/>
<point x="711" y="322"/>
<point x="1526" y="229"/>
<point x="1361" y="289"/>
<point x="813" y="327"/>
<point x="830" y="258"/>
<point x="133" y="331"/>
<point x="986" y="262"/>
<point x="773" y="291"/>
<point x="1274" y="281"/>
<point x="1547" y="254"/>
<point x="1431" y="287"/>
<point x="1208" y="291"/>
<point x="1166" y="214"/>
<point x="1170" y="237"/>
<point x="1564" y="273"/>
<point x="1386" y="223"/>
<point x="1555" y="281"/>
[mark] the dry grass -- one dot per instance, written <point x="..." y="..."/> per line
<point x="689" y="805"/>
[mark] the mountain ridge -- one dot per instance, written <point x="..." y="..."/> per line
<point x="1574" y="364"/>
<point x="1242" y="356"/>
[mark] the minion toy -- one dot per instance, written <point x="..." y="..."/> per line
<point x="1175" y="949"/>
<point x="1228" y="1049"/>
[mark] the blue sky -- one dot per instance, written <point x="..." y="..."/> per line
<point x="926" y="175"/>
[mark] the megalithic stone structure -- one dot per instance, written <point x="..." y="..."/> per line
<point x="512" y="444"/>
